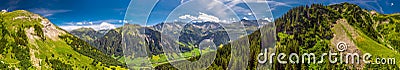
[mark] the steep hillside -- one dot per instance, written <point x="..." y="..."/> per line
<point x="29" y="41"/>
<point x="111" y="42"/>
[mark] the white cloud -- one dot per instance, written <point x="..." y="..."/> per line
<point x="47" y="12"/>
<point x="96" y="22"/>
<point x="249" y="13"/>
<point x="102" y="26"/>
<point x="188" y="17"/>
<point x="276" y="3"/>
<point x="272" y="4"/>
<point x="229" y="5"/>
<point x="79" y="23"/>
<point x="245" y="18"/>
<point x="232" y="4"/>
<point x="202" y="17"/>
<point x="241" y="10"/>
<point x="268" y="19"/>
<point x="96" y="25"/>
<point x="206" y="17"/>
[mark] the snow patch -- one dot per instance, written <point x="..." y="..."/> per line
<point x="202" y="17"/>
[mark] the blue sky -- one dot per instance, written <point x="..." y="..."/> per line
<point x="93" y="13"/>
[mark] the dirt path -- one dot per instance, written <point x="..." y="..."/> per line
<point x="343" y="32"/>
<point x="35" y="61"/>
<point x="32" y="38"/>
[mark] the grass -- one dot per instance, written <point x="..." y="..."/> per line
<point x="63" y="52"/>
<point x="119" y="58"/>
<point x="366" y="44"/>
<point x="160" y="59"/>
<point x="8" y="58"/>
<point x="60" y="50"/>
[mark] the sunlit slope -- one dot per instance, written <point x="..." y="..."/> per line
<point x="363" y="44"/>
<point x="29" y="41"/>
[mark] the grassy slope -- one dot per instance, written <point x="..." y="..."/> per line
<point x="366" y="44"/>
<point x="61" y="51"/>
<point x="17" y="52"/>
<point x="376" y="33"/>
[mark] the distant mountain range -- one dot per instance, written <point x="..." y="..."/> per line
<point x="191" y="35"/>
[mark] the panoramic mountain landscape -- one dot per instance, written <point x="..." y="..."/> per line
<point x="314" y="28"/>
<point x="30" y="41"/>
